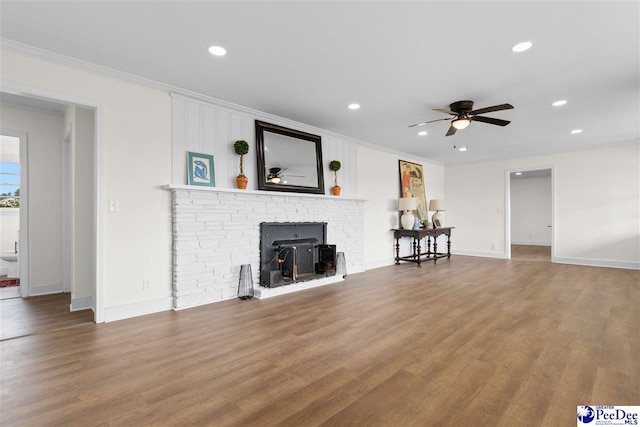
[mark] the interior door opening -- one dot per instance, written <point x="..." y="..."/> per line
<point x="531" y="213"/>
<point x="11" y="193"/>
<point x="63" y="158"/>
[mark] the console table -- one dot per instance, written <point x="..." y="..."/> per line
<point x="417" y="235"/>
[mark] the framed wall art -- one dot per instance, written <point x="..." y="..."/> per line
<point x="412" y="185"/>
<point x="200" y="169"/>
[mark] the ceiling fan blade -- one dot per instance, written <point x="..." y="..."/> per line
<point x="490" y="120"/>
<point x="444" y="110"/>
<point x="451" y="131"/>
<point x="430" y="121"/>
<point x="418" y="124"/>
<point x="490" y="109"/>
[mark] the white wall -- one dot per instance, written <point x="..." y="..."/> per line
<point x="136" y="137"/>
<point x="10" y="219"/>
<point x="586" y="232"/>
<point x="204" y="127"/>
<point x="44" y="132"/>
<point x="9" y="226"/>
<point x="379" y="184"/>
<point x="531" y="211"/>
<point x="84" y="243"/>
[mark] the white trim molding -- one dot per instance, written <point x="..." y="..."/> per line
<point x="54" y="288"/>
<point x="498" y="255"/>
<point x="142" y="308"/>
<point x="83" y="303"/>
<point x="629" y="265"/>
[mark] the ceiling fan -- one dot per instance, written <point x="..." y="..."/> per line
<point x="463" y="114"/>
<point x="275" y="175"/>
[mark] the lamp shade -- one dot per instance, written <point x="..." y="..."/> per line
<point x="407" y="203"/>
<point x="436" y="205"/>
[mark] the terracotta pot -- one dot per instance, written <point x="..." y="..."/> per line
<point x="335" y="190"/>
<point x="241" y="182"/>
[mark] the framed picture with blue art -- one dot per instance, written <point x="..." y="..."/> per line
<point x="200" y="169"/>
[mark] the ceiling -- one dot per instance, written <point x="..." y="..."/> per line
<point x="307" y="61"/>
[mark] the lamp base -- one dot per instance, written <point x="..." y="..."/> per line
<point x="437" y="219"/>
<point x="407" y="220"/>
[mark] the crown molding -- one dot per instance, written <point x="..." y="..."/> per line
<point x="35" y="52"/>
<point x="69" y="61"/>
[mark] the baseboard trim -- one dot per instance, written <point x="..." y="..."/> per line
<point x="628" y="265"/>
<point x="379" y="264"/>
<point x="499" y="255"/>
<point x="531" y="243"/>
<point x="56" y="288"/>
<point x="127" y="311"/>
<point x="83" y="303"/>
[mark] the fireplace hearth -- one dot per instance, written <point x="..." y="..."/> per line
<point x="293" y="252"/>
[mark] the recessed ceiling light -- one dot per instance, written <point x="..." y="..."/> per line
<point x="576" y="131"/>
<point x="422" y="133"/>
<point x="463" y="148"/>
<point x="217" y="50"/>
<point x="559" y="102"/>
<point x="521" y="47"/>
<point x="353" y="106"/>
<point x="518" y="173"/>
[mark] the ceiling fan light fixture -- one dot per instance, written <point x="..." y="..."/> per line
<point x="460" y="123"/>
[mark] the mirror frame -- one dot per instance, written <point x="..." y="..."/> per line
<point x="261" y="128"/>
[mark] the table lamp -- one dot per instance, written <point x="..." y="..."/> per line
<point x="407" y="204"/>
<point x="438" y="206"/>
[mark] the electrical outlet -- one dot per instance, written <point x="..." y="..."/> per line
<point x="146" y="284"/>
<point x="493" y="246"/>
<point x="114" y="206"/>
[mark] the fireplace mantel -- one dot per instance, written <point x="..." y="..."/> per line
<point x="216" y="230"/>
<point x="174" y="187"/>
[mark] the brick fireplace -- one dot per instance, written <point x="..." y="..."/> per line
<point x="216" y="230"/>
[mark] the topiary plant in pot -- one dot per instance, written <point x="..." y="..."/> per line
<point x="241" y="147"/>
<point x="335" y="167"/>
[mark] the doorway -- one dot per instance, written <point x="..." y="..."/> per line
<point x="14" y="229"/>
<point x="530" y="195"/>
<point x="82" y="213"/>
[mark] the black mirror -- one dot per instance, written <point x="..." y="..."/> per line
<point x="288" y="160"/>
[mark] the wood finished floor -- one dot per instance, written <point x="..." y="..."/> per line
<point x="36" y="315"/>
<point x="470" y="341"/>
<point x="531" y="253"/>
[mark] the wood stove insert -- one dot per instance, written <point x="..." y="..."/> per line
<point x="293" y="252"/>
